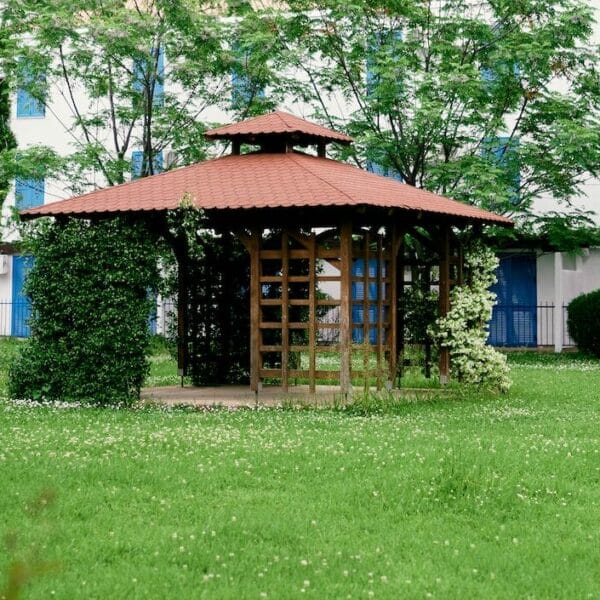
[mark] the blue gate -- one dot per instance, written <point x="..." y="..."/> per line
<point x="514" y="318"/>
<point x="21" y="307"/>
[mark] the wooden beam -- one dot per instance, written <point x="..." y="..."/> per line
<point x="444" y="301"/>
<point x="346" y="305"/>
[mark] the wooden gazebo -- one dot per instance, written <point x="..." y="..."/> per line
<point x="307" y="221"/>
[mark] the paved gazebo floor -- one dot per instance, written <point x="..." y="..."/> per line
<point x="240" y="396"/>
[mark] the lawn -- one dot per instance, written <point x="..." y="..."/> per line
<point x="472" y="496"/>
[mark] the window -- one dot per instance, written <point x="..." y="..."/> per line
<point x="383" y="39"/>
<point x="137" y="164"/>
<point x="29" y="102"/>
<point x="244" y="87"/>
<point x="143" y="72"/>
<point x="29" y="193"/>
<point x="378" y="169"/>
<point x="504" y="153"/>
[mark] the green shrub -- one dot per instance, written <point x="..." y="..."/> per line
<point x="583" y="323"/>
<point x="89" y="287"/>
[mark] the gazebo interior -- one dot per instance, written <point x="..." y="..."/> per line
<point x="327" y="245"/>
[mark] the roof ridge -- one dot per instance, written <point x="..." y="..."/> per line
<point x="280" y="114"/>
<point x="294" y="154"/>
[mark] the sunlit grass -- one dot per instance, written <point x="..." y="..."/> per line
<point x="470" y="496"/>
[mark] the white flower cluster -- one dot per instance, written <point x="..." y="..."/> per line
<point x="464" y="329"/>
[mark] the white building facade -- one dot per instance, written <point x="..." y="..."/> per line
<point x="533" y="289"/>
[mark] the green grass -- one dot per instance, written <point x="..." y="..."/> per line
<point x="463" y="497"/>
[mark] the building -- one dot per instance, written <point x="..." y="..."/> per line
<point x="534" y="283"/>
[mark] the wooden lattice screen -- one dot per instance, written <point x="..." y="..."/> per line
<point x="294" y="338"/>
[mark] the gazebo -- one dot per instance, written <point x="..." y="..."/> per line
<point x="328" y="224"/>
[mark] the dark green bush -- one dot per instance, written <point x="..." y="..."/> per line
<point x="89" y="287"/>
<point x="583" y="322"/>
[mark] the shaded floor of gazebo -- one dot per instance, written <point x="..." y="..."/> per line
<point x="240" y="396"/>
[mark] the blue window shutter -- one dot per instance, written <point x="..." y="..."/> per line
<point x="27" y="105"/>
<point x="158" y="162"/>
<point x="244" y="88"/>
<point x="378" y="169"/>
<point x="137" y="163"/>
<point x="140" y="72"/>
<point x="159" y="86"/>
<point x="505" y="154"/>
<point x="29" y="193"/>
<point x="138" y="75"/>
<point x="375" y="44"/>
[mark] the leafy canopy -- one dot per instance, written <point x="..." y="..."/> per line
<point x="493" y="103"/>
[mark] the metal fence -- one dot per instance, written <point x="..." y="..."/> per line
<point x="517" y="325"/>
<point x="511" y="326"/>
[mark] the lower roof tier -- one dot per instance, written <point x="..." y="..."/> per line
<point x="264" y="181"/>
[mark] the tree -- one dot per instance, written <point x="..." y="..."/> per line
<point x="139" y="75"/>
<point x="492" y="103"/>
<point x="7" y="139"/>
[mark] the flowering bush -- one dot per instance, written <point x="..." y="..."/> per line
<point x="464" y="329"/>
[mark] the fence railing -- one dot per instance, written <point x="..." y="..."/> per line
<point x="511" y="325"/>
<point x="517" y="325"/>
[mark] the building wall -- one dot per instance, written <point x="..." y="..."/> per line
<point x="559" y="278"/>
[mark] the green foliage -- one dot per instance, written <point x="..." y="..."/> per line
<point x="7" y="139"/>
<point x="419" y="309"/>
<point x="583" y="323"/>
<point x="435" y="85"/>
<point x="89" y="288"/>
<point x="104" y="59"/>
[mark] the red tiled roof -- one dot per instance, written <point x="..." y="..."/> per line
<point x="277" y="122"/>
<point x="263" y="180"/>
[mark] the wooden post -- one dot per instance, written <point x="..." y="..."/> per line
<point x="255" y="357"/>
<point x="182" y="256"/>
<point x="312" y="312"/>
<point x="285" y="329"/>
<point x="392" y="275"/>
<point x="426" y="290"/>
<point x="400" y="320"/>
<point x="366" y="325"/>
<point x="380" y="328"/>
<point x="444" y="301"/>
<point x="345" y="306"/>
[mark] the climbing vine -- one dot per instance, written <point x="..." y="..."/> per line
<point x="464" y="329"/>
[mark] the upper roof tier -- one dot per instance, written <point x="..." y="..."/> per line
<point x="281" y="125"/>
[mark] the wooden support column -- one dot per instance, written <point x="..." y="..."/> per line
<point x="285" y="308"/>
<point x="444" y="301"/>
<point x="345" y="306"/>
<point x="366" y="325"/>
<point x="380" y="327"/>
<point x="255" y="356"/>
<point x="394" y="246"/>
<point x="182" y="256"/>
<point x="400" y="320"/>
<point x="312" y="312"/>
